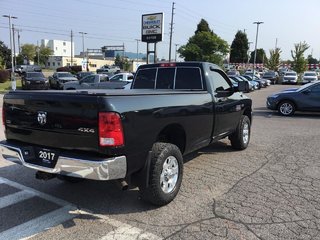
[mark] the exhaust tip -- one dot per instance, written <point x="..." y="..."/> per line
<point x="123" y="185"/>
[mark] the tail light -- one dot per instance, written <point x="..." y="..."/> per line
<point x="110" y="130"/>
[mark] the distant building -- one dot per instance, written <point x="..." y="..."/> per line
<point x="60" y="48"/>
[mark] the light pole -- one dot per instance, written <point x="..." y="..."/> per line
<point x="13" y="79"/>
<point x="138" y="40"/>
<point x="175" y="56"/>
<point x="83" y="33"/>
<point x="255" y="48"/>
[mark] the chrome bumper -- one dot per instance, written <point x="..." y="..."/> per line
<point x="96" y="169"/>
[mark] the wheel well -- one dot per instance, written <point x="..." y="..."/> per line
<point x="174" y="134"/>
<point x="248" y="113"/>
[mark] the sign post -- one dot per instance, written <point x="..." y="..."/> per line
<point x="152" y="32"/>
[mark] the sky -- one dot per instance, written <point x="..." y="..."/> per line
<point x="117" y="22"/>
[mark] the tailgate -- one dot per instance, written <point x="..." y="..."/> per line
<point x="53" y="119"/>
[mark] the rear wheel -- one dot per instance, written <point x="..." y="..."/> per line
<point x="166" y="171"/>
<point x="286" y="108"/>
<point x="241" y="137"/>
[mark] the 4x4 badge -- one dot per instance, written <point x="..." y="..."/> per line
<point x="42" y="118"/>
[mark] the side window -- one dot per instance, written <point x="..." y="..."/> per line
<point x="316" y="89"/>
<point x="165" y="78"/>
<point x="188" y="78"/>
<point x="103" y="78"/>
<point x="219" y="82"/>
<point x="145" y="79"/>
<point x="130" y="77"/>
<point x="89" y="79"/>
<point x="116" y="78"/>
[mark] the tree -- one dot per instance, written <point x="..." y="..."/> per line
<point x="299" y="62"/>
<point x="117" y="61"/>
<point x="239" y="48"/>
<point x="204" y="45"/>
<point x="312" y="60"/>
<point x="261" y="56"/>
<point x="28" y="51"/>
<point x="44" y="54"/>
<point x="273" y="62"/>
<point x="5" y="56"/>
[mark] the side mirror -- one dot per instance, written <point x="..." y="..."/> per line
<point x="243" y="86"/>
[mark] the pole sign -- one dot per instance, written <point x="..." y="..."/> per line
<point x="152" y="27"/>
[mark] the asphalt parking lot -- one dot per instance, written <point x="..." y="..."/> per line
<point x="269" y="191"/>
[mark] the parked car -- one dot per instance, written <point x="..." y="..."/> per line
<point x="272" y="76"/>
<point x="233" y="73"/>
<point x="309" y="76"/>
<point x="109" y="70"/>
<point x="262" y="82"/>
<point x="34" y="81"/>
<point x="81" y="75"/>
<point x="58" y="79"/>
<point x="290" y="77"/>
<point x="28" y="68"/>
<point x="138" y="136"/>
<point x="239" y="79"/>
<point x="305" y="98"/>
<point x="250" y="71"/>
<point x="95" y="81"/>
<point x="128" y="77"/>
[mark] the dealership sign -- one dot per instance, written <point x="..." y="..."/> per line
<point x="152" y="27"/>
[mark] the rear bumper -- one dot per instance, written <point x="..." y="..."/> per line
<point x="86" y="167"/>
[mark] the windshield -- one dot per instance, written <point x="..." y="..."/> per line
<point x="269" y="74"/>
<point x="35" y="75"/>
<point x="65" y="75"/>
<point x="291" y="74"/>
<point x="310" y="74"/>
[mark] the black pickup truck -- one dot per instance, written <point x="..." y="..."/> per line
<point x="136" y="136"/>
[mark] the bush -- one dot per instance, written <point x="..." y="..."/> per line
<point x="63" y="69"/>
<point x="76" y="69"/>
<point x="4" y="76"/>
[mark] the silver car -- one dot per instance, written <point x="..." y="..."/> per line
<point x="95" y="81"/>
<point x="309" y="77"/>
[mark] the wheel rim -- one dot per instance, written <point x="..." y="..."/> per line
<point x="169" y="174"/>
<point x="286" y="108"/>
<point x="245" y="133"/>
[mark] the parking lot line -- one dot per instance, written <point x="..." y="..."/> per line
<point x="39" y="224"/>
<point x="15" y="198"/>
<point x="56" y="217"/>
<point x="123" y="231"/>
<point x="35" y="192"/>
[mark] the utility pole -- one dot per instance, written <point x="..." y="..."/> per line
<point x="255" y="48"/>
<point x="171" y="29"/>
<point x="14" y="46"/>
<point x="13" y="79"/>
<point x="137" y="48"/>
<point x="19" y="46"/>
<point x="71" y="48"/>
<point x="276" y="46"/>
<point x="175" y="57"/>
<point x="249" y="43"/>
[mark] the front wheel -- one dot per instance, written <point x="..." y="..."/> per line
<point x="241" y="137"/>
<point x="166" y="171"/>
<point x="286" y="108"/>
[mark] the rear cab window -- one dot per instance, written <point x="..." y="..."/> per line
<point x="179" y="78"/>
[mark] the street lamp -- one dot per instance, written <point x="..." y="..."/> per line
<point x="13" y="79"/>
<point x="138" y="40"/>
<point x="255" y="48"/>
<point x="83" y="33"/>
<point x="175" y="56"/>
